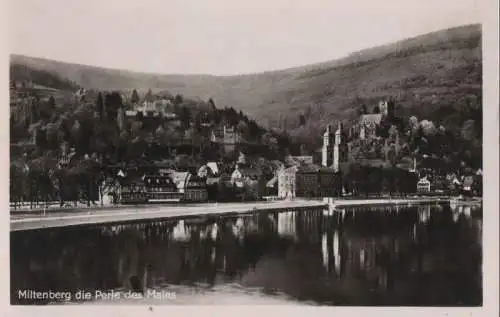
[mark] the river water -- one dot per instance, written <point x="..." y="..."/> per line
<point x="408" y="256"/>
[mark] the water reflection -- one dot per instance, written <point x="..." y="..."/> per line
<point x="420" y="255"/>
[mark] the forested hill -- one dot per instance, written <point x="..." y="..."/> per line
<point x="424" y="73"/>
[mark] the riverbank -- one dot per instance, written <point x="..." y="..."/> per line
<point x="148" y="212"/>
<point x="119" y="214"/>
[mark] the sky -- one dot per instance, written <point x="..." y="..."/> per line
<point x="220" y="37"/>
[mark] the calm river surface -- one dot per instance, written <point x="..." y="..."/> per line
<point x="417" y="256"/>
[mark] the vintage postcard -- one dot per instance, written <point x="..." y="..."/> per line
<point x="172" y="155"/>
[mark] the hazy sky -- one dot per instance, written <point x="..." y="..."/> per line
<point x="221" y="36"/>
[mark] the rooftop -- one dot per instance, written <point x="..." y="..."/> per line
<point x="371" y="118"/>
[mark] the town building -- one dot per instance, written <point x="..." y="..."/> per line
<point x="227" y="136"/>
<point x="286" y="178"/>
<point x="81" y="94"/>
<point x="368" y="125"/>
<point x="154" y="108"/>
<point x="179" y="179"/>
<point x="130" y="191"/>
<point x="328" y="182"/>
<point x="307" y="181"/>
<point x="249" y="181"/>
<point x="160" y="188"/>
<point x="424" y="185"/>
<point x="195" y="189"/>
<point x="467" y="184"/>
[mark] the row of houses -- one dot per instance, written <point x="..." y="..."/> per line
<point x="168" y="185"/>
<point x="467" y="184"/>
<point x="154" y="188"/>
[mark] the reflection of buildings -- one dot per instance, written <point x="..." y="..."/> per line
<point x="287" y="224"/>
<point x="286" y="182"/>
<point x="181" y="232"/>
<point x="424" y="213"/>
<point x="331" y="251"/>
<point x="423" y="185"/>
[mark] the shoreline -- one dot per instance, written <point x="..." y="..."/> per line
<point x="160" y="212"/>
<point x="137" y="213"/>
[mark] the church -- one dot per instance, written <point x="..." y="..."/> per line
<point x="334" y="150"/>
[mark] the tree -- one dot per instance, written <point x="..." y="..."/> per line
<point x="185" y="117"/>
<point x="413" y="124"/>
<point x="428" y="128"/>
<point x="178" y="99"/>
<point x="242" y="128"/>
<point x="363" y="109"/>
<point x="182" y="162"/>
<point x="135" y="97"/>
<point x="149" y="95"/>
<point x="47" y="108"/>
<point x="100" y="105"/>
<point x="391" y="110"/>
<point x="242" y="159"/>
<point x="53" y="136"/>
<point x="112" y="102"/>
<point x="468" y="130"/>
<point x="211" y="103"/>
<point x="302" y="120"/>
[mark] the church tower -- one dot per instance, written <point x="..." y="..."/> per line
<point x="326" y="150"/>
<point x="337" y="148"/>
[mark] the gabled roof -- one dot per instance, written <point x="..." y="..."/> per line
<point x="214" y="167"/>
<point x="190" y="179"/>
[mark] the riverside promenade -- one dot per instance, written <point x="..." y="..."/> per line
<point x="37" y="219"/>
<point x="100" y="215"/>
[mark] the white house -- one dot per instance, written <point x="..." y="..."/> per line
<point x="286" y="181"/>
<point x="424" y="185"/>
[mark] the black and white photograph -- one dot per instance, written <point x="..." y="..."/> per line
<point x="286" y="153"/>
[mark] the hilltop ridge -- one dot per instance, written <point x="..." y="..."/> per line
<point x="424" y="73"/>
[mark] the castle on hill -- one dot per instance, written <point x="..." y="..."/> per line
<point x="335" y="148"/>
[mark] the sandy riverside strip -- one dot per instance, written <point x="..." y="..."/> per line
<point x="162" y="213"/>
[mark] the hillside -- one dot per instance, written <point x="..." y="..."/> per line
<point x="425" y="74"/>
